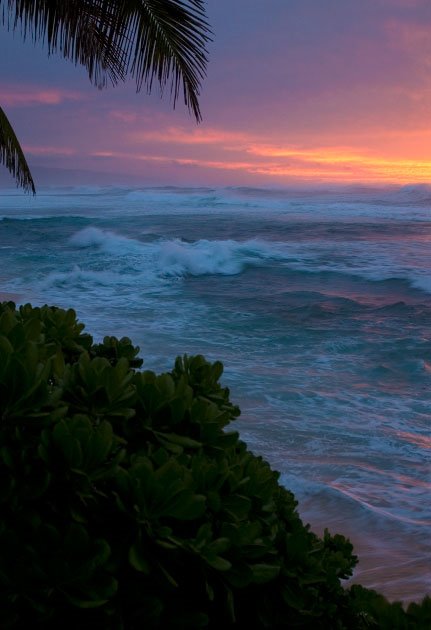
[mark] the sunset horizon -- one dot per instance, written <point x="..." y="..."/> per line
<point x="345" y="103"/>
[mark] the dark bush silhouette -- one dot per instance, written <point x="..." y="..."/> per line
<point x="127" y="503"/>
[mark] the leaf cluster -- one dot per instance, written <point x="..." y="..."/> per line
<point x="127" y="501"/>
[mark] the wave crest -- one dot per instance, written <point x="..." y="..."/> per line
<point x="203" y="257"/>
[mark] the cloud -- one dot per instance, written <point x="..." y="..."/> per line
<point x="181" y="135"/>
<point x="412" y="37"/>
<point x="105" y="154"/>
<point x="123" y="116"/>
<point x="342" y="164"/>
<point x="18" y="96"/>
<point x="43" y="150"/>
<point x="287" y="164"/>
<point x="404" y="4"/>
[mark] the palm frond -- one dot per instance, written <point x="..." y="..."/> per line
<point x="12" y="156"/>
<point x="71" y="28"/>
<point x="168" y="42"/>
<point x="147" y="39"/>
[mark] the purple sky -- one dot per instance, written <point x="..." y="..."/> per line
<point x="297" y="91"/>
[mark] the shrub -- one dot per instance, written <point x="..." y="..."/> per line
<point x="127" y="502"/>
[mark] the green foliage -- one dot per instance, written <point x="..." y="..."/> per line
<point x="126" y="501"/>
<point x="376" y="612"/>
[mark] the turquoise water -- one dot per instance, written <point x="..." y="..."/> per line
<point x="319" y="305"/>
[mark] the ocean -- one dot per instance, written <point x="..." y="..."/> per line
<point x="317" y="302"/>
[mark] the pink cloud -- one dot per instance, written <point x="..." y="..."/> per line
<point x="40" y="150"/>
<point x="183" y="161"/>
<point x="405" y="4"/>
<point x="123" y="116"/>
<point x="412" y="37"/>
<point x="105" y="154"/>
<point x="28" y="96"/>
<point x="180" y="135"/>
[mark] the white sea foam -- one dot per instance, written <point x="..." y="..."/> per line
<point x="204" y="257"/>
<point x="81" y="278"/>
<point x="408" y="203"/>
<point x="422" y="282"/>
<point x="414" y="193"/>
<point x="105" y="240"/>
<point x="179" y="258"/>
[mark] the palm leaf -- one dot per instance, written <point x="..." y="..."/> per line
<point x="71" y="28"/>
<point x="168" y="42"/>
<point x="147" y="39"/>
<point x="12" y="156"/>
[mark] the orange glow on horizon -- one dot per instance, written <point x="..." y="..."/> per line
<point x="252" y="154"/>
<point x="121" y="139"/>
<point x="294" y="164"/>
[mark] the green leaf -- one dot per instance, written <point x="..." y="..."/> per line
<point x="220" y="545"/>
<point x="186" y="506"/>
<point x="237" y="506"/>
<point x="137" y="559"/>
<point x="5" y="346"/>
<point x="178" y="439"/>
<point x="262" y="573"/>
<point x="80" y="602"/>
<point x="214" y="501"/>
<point x="218" y="563"/>
<point x="99" y="444"/>
<point x="70" y="447"/>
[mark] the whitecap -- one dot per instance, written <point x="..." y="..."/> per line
<point x="204" y="257"/>
<point x="105" y="240"/>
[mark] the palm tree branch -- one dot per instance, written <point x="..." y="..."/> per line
<point x="169" y="39"/>
<point x="163" y="39"/>
<point x="12" y="156"/>
<point x="148" y="39"/>
<point x="72" y="29"/>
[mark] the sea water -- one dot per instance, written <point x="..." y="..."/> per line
<point x="317" y="302"/>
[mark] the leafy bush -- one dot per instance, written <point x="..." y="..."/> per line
<point x="126" y="503"/>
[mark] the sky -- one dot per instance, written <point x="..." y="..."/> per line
<point x="297" y="92"/>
